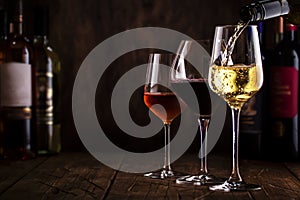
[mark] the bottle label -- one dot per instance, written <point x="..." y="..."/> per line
<point x="15" y="84"/>
<point x="284" y="91"/>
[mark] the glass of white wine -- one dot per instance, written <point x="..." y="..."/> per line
<point x="236" y="75"/>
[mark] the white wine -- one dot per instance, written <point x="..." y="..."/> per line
<point x="236" y="84"/>
<point x="226" y="55"/>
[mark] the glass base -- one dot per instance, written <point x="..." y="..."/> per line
<point x="234" y="186"/>
<point x="203" y="179"/>
<point x="163" y="174"/>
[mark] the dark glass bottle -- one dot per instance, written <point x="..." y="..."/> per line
<point x="3" y="41"/>
<point x="16" y="89"/>
<point x="284" y="97"/>
<point x="253" y="116"/>
<point x="48" y="87"/>
<point x="266" y="9"/>
<point x="3" y="30"/>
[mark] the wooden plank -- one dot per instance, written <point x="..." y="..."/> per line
<point x="67" y="176"/>
<point x="294" y="168"/>
<point x="276" y="180"/>
<point x="168" y="189"/>
<point x="136" y="186"/>
<point x="12" y="171"/>
<point x="80" y="176"/>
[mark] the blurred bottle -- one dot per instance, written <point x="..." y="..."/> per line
<point x="253" y="115"/>
<point x="16" y="72"/>
<point x="3" y="41"/>
<point x="48" y="87"/>
<point x="279" y="30"/>
<point x="283" y="98"/>
<point x="274" y="30"/>
<point x="3" y="32"/>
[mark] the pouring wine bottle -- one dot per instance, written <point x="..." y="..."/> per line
<point x="266" y="9"/>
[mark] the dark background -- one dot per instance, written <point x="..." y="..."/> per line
<point x="77" y="26"/>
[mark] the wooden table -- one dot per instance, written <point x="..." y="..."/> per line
<point x="80" y="176"/>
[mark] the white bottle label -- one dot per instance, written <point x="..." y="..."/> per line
<point x="15" y="84"/>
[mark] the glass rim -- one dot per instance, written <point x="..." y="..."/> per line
<point x="234" y="25"/>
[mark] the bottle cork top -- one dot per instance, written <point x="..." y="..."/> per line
<point x="291" y="27"/>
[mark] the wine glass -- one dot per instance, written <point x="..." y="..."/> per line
<point x="236" y="75"/>
<point x="160" y="99"/>
<point x="183" y="76"/>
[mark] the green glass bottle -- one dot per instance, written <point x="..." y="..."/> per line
<point x="48" y="87"/>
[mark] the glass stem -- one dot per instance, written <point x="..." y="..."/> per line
<point x="235" y="174"/>
<point x="203" y="125"/>
<point x="167" y="165"/>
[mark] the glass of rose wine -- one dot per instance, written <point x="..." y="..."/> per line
<point x="184" y="75"/>
<point x="160" y="99"/>
<point x="236" y="75"/>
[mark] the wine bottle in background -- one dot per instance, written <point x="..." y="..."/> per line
<point x="274" y="30"/>
<point x="16" y="89"/>
<point x="3" y="40"/>
<point x="284" y="97"/>
<point x="266" y="9"/>
<point x="279" y="30"/>
<point x="3" y="33"/>
<point x="253" y="116"/>
<point x="48" y="70"/>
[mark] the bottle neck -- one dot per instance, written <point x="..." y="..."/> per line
<point x="264" y="9"/>
<point x="290" y="33"/>
<point x="279" y="30"/>
<point x="40" y="39"/>
<point x="16" y="28"/>
<point x="3" y="23"/>
<point x="16" y="16"/>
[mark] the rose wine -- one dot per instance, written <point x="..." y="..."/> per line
<point x="201" y="91"/>
<point x="236" y="84"/>
<point x="16" y="90"/>
<point x="166" y="106"/>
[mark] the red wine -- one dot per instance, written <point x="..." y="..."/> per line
<point x="201" y="91"/>
<point x="168" y="101"/>
<point x="284" y="98"/>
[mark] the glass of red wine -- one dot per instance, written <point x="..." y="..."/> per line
<point x="160" y="99"/>
<point x="186" y="75"/>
